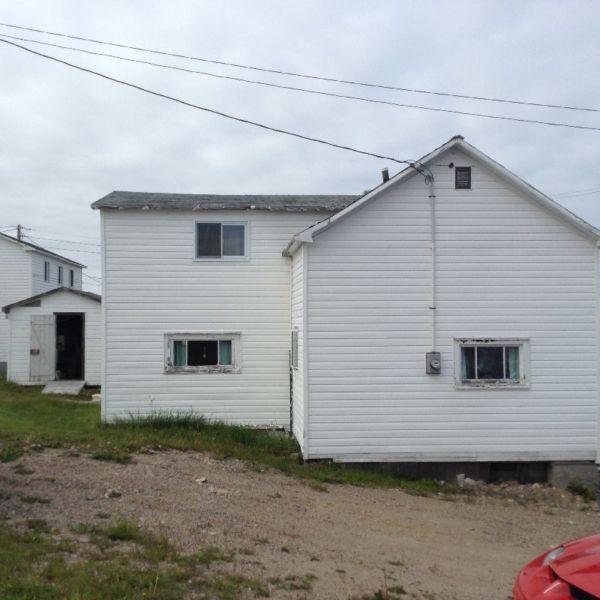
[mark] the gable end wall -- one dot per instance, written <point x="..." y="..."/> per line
<point x="505" y="268"/>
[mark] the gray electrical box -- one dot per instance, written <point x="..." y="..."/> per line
<point x="433" y="363"/>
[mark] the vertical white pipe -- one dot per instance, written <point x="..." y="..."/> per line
<point x="432" y="307"/>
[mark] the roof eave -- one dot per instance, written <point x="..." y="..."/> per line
<point x="95" y="297"/>
<point x="530" y="190"/>
<point x="32" y="248"/>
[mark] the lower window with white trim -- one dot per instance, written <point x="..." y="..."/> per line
<point x="491" y="362"/>
<point x="202" y="353"/>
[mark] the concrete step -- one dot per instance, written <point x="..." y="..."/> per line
<point x="67" y="388"/>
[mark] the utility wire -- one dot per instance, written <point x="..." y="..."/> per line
<point x="578" y="193"/>
<point x="299" y="89"/>
<point x="35" y="241"/>
<point x="302" y="75"/>
<point x="210" y="110"/>
<point x="74" y="250"/>
<point x="37" y="237"/>
<point x="53" y="232"/>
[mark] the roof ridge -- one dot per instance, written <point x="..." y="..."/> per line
<point x="41" y="249"/>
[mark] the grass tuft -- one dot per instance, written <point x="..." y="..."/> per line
<point x="112" y="455"/>
<point x="124" y="531"/>
<point x="22" y="470"/>
<point x="587" y="494"/>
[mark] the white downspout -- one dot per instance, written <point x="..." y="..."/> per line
<point x="432" y="307"/>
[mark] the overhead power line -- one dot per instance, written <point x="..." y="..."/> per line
<point x="35" y="241"/>
<point x="74" y="250"/>
<point x="301" y="75"/>
<point x="578" y="192"/>
<point x="209" y="110"/>
<point x="297" y="89"/>
<point x="37" y="237"/>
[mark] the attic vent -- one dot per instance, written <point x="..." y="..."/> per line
<point x="462" y="178"/>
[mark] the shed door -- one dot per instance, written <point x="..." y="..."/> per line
<point x="42" y="357"/>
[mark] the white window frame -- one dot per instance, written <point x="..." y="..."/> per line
<point x="47" y="273"/>
<point x="236" y="349"/>
<point x="221" y="222"/>
<point x="521" y="342"/>
<point x="60" y="274"/>
<point x="71" y="277"/>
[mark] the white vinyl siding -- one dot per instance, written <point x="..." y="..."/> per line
<point x="16" y="284"/>
<point x="38" y="282"/>
<point x="60" y="302"/>
<point x="153" y="287"/>
<point x="297" y="266"/>
<point x="506" y="268"/>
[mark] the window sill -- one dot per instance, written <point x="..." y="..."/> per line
<point x="202" y="370"/>
<point x="216" y="259"/>
<point x="492" y="385"/>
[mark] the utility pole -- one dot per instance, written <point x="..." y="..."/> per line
<point x="19" y="232"/>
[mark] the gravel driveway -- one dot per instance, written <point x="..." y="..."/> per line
<point x="347" y="541"/>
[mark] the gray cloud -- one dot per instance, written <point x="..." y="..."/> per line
<point x="69" y="138"/>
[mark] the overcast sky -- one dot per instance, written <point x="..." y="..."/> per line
<point x="68" y="138"/>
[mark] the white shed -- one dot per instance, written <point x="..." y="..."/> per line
<point x="55" y="335"/>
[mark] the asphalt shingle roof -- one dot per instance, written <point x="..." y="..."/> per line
<point x="277" y="203"/>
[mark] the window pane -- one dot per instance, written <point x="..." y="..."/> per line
<point x="208" y="239"/>
<point x="202" y="352"/>
<point x="225" y="352"/>
<point x="233" y="240"/>
<point x="468" y="363"/>
<point x="60" y="274"/>
<point x="462" y="178"/>
<point x="512" y="362"/>
<point x="490" y="362"/>
<point x="179" y="359"/>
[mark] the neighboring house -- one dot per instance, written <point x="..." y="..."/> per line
<point x="26" y="270"/>
<point x="55" y="336"/>
<point x="449" y="315"/>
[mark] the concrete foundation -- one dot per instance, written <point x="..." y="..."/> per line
<point x="559" y="474"/>
<point x="565" y="473"/>
<point x="490" y="472"/>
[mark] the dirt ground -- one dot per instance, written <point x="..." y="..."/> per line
<point x="354" y="541"/>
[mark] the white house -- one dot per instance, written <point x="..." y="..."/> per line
<point x="55" y="335"/>
<point x="449" y="315"/>
<point x="26" y="270"/>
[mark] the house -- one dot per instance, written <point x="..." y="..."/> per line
<point x="26" y="270"/>
<point x="450" y="315"/>
<point x="55" y="336"/>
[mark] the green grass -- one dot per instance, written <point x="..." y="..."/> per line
<point x="29" y="421"/>
<point x="121" y="562"/>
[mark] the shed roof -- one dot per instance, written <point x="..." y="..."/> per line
<point x="6" y="309"/>
<point x="276" y="203"/>
<point x="41" y="250"/>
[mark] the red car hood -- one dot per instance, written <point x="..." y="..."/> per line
<point x="579" y="565"/>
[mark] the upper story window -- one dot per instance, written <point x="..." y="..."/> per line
<point x="46" y="270"/>
<point x="202" y="353"/>
<point x="71" y="278"/>
<point x="490" y="362"/>
<point x="221" y="240"/>
<point x="462" y="178"/>
<point x="60" y="275"/>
